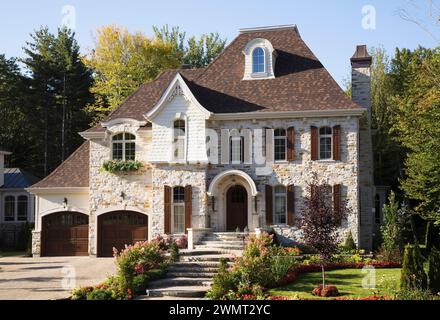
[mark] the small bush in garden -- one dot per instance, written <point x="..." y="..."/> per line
<point x="432" y="236"/>
<point x="182" y="242"/>
<point x="100" y="294"/>
<point x="140" y="282"/>
<point x="246" y="291"/>
<point x="413" y="276"/>
<point x="81" y="293"/>
<point x="434" y="271"/>
<point x="174" y="252"/>
<point x="325" y="292"/>
<point x="224" y="281"/>
<point x="415" y="294"/>
<point x="349" y="243"/>
<point x="280" y="266"/>
<point x="139" y="259"/>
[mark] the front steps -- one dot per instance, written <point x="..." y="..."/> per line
<point x="192" y="276"/>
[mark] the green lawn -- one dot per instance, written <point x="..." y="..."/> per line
<point x="5" y="254"/>
<point x="348" y="282"/>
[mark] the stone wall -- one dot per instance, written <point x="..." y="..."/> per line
<point x="110" y="192"/>
<point x="179" y="176"/>
<point x="299" y="172"/>
<point x="36" y="244"/>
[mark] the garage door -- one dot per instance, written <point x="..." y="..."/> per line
<point x="118" y="229"/>
<point x="65" y="234"/>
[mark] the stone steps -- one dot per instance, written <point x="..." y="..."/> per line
<point x="180" y="282"/>
<point x="215" y="243"/>
<point x="188" y="274"/>
<point x="181" y="292"/>
<point x="222" y="248"/>
<point x="211" y="258"/>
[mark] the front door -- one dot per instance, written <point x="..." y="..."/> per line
<point x="237" y="208"/>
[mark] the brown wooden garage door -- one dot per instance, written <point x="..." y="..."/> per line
<point x="65" y="234"/>
<point x="118" y="229"/>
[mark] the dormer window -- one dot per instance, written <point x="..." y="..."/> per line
<point x="258" y="61"/>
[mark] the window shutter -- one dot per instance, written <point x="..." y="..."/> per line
<point x="291" y="144"/>
<point x="269" y="205"/>
<point x="314" y="143"/>
<point x="337" y="199"/>
<point x="290" y="204"/>
<point x="337" y="143"/>
<point x="167" y="209"/>
<point x="188" y="207"/>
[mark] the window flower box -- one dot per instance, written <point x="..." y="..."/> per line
<point x="118" y="166"/>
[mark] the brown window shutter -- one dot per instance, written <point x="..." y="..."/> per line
<point x="290" y="205"/>
<point x="314" y="143"/>
<point x="167" y="209"/>
<point x="291" y="144"/>
<point x="337" y="199"/>
<point x="269" y="205"/>
<point x="188" y="207"/>
<point x="337" y="143"/>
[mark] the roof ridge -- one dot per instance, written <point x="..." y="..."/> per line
<point x="83" y="145"/>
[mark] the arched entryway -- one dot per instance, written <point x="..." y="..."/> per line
<point x="120" y="228"/>
<point x="236" y="208"/>
<point x="65" y="234"/>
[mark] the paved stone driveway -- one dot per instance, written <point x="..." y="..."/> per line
<point x="49" y="278"/>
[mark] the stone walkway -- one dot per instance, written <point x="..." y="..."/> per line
<point x="50" y="278"/>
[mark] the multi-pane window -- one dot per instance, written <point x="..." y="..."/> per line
<point x="280" y="144"/>
<point x="9" y="208"/>
<point x="237" y="148"/>
<point x="258" y="65"/>
<point x="325" y="143"/>
<point x="179" y="139"/>
<point x="22" y="208"/>
<point x="124" y="146"/>
<point x="280" y="205"/>
<point x="178" y="210"/>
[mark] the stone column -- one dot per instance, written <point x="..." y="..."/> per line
<point x="361" y="94"/>
<point x="36" y="244"/>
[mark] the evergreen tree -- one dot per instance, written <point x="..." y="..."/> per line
<point x="413" y="276"/>
<point x="58" y="92"/>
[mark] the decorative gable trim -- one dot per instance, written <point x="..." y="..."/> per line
<point x="118" y="121"/>
<point x="177" y="87"/>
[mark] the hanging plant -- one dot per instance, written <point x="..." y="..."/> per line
<point x="116" y="166"/>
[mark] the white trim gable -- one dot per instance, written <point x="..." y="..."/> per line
<point x="177" y="87"/>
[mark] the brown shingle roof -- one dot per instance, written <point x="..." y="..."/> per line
<point x="301" y="83"/>
<point x="72" y="173"/>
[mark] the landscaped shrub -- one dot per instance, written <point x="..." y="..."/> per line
<point x="24" y="239"/>
<point x="413" y="277"/>
<point x="349" y="243"/>
<point x="224" y="282"/>
<point x="111" y="289"/>
<point x="174" y="252"/>
<point x="138" y="259"/>
<point x="261" y="266"/>
<point x="140" y="282"/>
<point x="392" y="230"/>
<point x="434" y="271"/>
<point x="325" y="292"/>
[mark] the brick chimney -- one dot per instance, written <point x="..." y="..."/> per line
<point x="361" y="94"/>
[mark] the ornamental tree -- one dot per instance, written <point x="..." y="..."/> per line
<point x="321" y="220"/>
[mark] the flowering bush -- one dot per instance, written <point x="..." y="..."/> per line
<point x="327" y="291"/>
<point x="138" y="259"/>
<point x="111" y="289"/>
<point x="262" y="265"/>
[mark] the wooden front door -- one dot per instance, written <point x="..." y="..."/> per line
<point x="65" y="234"/>
<point x="237" y="208"/>
<point x="118" y="229"/>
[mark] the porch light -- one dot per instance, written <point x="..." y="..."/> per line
<point x="65" y="202"/>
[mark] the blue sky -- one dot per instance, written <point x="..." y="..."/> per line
<point x="331" y="28"/>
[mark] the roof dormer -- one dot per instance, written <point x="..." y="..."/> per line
<point x="260" y="59"/>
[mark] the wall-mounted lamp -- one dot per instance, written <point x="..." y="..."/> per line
<point x="122" y="195"/>
<point x="65" y="202"/>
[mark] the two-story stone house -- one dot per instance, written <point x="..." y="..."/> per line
<point x="230" y="146"/>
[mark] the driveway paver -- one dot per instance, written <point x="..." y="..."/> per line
<point x="50" y="278"/>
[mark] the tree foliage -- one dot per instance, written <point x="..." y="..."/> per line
<point x="319" y="222"/>
<point x="198" y="53"/>
<point x="121" y="61"/>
